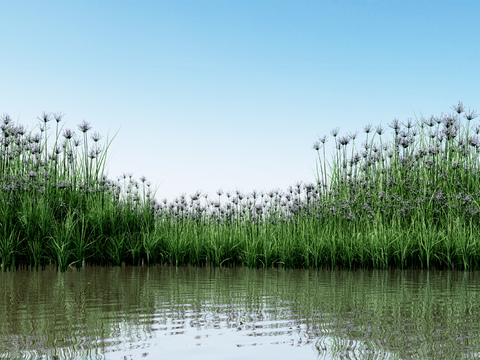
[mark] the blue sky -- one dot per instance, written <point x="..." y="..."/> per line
<point x="210" y="94"/>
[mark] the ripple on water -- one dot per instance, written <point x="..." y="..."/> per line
<point x="235" y="313"/>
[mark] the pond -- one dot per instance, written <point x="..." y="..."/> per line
<point x="238" y="313"/>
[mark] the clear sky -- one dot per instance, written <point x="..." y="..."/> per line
<point x="231" y="94"/>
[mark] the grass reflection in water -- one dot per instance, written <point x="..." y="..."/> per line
<point x="163" y="311"/>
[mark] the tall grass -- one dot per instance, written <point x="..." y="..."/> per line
<point x="411" y="202"/>
<point x="56" y="204"/>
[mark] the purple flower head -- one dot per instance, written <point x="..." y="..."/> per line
<point x="367" y="128"/>
<point x="45" y="117"/>
<point x="474" y="141"/>
<point x="430" y="122"/>
<point x="448" y="121"/>
<point x="334" y="132"/>
<point x="409" y="123"/>
<point x="356" y="158"/>
<point x="477" y="129"/>
<point x="6" y="119"/>
<point x="239" y="194"/>
<point x="96" y="136"/>
<point x="470" y="115"/>
<point x="196" y="196"/>
<point x="404" y="142"/>
<point x="459" y="108"/>
<point x="36" y="138"/>
<point x="84" y="126"/>
<point x="450" y="132"/>
<point x="68" y="134"/>
<point x="6" y="130"/>
<point x="93" y="154"/>
<point x="43" y="128"/>
<point x="58" y="116"/>
<point x="395" y="125"/>
<point x="20" y="130"/>
<point x="309" y="187"/>
<point x="344" y="140"/>
<point x="36" y="149"/>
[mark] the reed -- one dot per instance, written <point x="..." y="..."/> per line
<point x="411" y="202"/>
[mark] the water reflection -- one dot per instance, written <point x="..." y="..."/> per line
<point x="234" y="313"/>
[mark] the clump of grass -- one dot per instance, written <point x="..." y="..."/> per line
<point x="418" y="198"/>
<point x="57" y="205"/>
<point x="406" y="203"/>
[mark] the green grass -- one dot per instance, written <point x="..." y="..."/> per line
<point x="407" y="203"/>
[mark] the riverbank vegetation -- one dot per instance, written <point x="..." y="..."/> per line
<point x="411" y="202"/>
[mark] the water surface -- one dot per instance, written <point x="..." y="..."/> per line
<point x="163" y="312"/>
